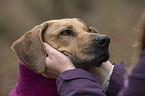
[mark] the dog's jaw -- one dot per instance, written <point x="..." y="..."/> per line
<point x="92" y="60"/>
<point x="89" y="63"/>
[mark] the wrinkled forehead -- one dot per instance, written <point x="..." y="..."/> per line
<point x="67" y="22"/>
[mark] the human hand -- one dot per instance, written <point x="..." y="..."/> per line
<point x="56" y="63"/>
<point x="102" y="71"/>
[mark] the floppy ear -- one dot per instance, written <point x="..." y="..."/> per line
<point x="30" y="49"/>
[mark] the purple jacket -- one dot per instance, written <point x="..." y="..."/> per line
<point x="78" y="82"/>
<point x="31" y="84"/>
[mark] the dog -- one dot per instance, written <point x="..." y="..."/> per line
<point x="82" y="44"/>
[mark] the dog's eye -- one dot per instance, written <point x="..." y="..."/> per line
<point x="66" y="33"/>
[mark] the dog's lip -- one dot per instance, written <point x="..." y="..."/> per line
<point x="66" y="53"/>
<point x="100" y="57"/>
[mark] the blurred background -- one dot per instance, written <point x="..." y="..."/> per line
<point x="115" y="18"/>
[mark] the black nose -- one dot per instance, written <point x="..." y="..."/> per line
<point x="102" y="40"/>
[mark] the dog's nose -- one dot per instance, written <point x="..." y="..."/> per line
<point x="102" y="40"/>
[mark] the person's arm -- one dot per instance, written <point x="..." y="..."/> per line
<point x="70" y="81"/>
<point x="75" y="77"/>
<point x="78" y="82"/>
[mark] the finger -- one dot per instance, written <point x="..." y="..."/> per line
<point x="50" y="74"/>
<point x="52" y="53"/>
<point x="48" y="59"/>
<point x="49" y="49"/>
<point x="44" y="75"/>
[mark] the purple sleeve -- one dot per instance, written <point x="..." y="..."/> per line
<point x="31" y="84"/>
<point x="79" y="82"/>
<point x="117" y="79"/>
<point x="135" y="84"/>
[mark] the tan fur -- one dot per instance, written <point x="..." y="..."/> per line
<point x="30" y="49"/>
<point x="70" y="44"/>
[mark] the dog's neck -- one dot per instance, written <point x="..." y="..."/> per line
<point x="102" y="72"/>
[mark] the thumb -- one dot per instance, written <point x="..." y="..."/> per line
<point x="49" y="49"/>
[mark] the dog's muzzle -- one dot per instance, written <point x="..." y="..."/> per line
<point x="97" y="53"/>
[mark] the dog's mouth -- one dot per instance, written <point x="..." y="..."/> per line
<point x="99" y="60"/>
<point x="96" y="61"/>
<point x="92" y="60"/>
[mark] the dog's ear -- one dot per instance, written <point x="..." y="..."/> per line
<point x="94" y="30"/>
<point x="30" y="49"/>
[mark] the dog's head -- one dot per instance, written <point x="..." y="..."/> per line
<point x="82" y="44"/>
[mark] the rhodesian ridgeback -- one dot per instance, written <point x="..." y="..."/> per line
<point x="84" y="45"/>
